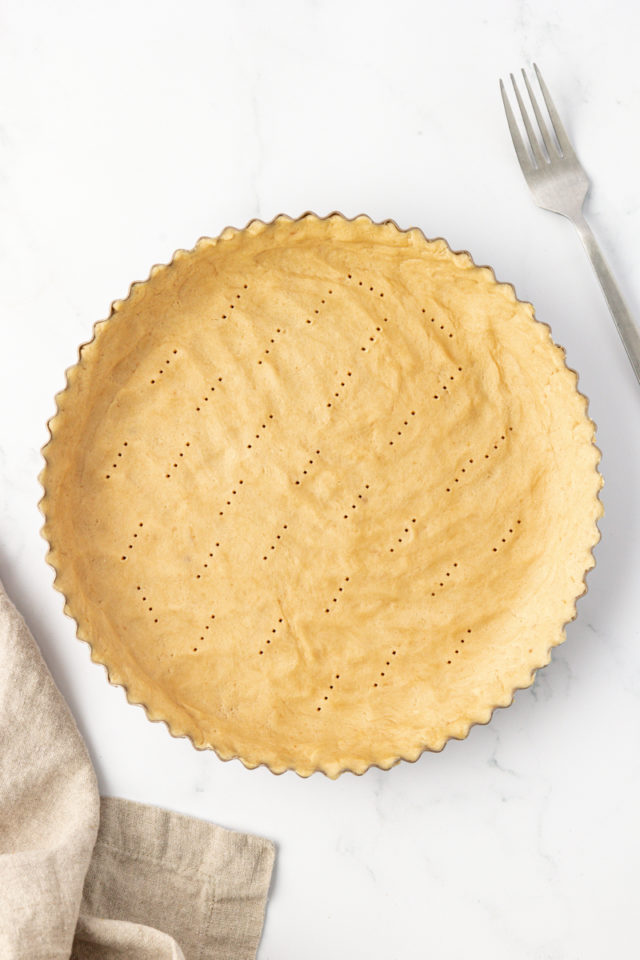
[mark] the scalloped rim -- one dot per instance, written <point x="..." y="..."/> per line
<point x="255" y="225"/>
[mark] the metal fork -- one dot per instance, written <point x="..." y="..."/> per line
<point x="558" y="183"/>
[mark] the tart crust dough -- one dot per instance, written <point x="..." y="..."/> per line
<point x="321" y="494"/>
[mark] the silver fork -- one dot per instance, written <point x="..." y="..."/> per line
<point x="558" y="183"/>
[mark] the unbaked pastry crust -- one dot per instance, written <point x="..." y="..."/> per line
<point x="321" y="494"/>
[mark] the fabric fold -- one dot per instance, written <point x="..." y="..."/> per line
<point x="213" y="881"/>
<point x="49" y="804"/>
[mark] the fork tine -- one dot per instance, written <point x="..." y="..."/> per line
<point x="521" y="150"/>
<point x="552" y="150"/>
<point x="533" y="140"/>
<point x="556" y="122"/>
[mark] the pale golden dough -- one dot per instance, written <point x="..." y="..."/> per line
<point x="321" y="494"/>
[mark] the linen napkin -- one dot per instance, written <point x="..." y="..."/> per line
<point x="106" y="879"/>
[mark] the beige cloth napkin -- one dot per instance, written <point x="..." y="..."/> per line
<point x="106" y="879"/>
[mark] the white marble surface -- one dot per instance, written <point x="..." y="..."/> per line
<point x="130" y="129"/>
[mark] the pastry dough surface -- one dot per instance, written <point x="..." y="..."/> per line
<point x="321" y="494"/>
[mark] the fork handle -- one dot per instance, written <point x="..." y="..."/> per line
<point x="619" y="311"/>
